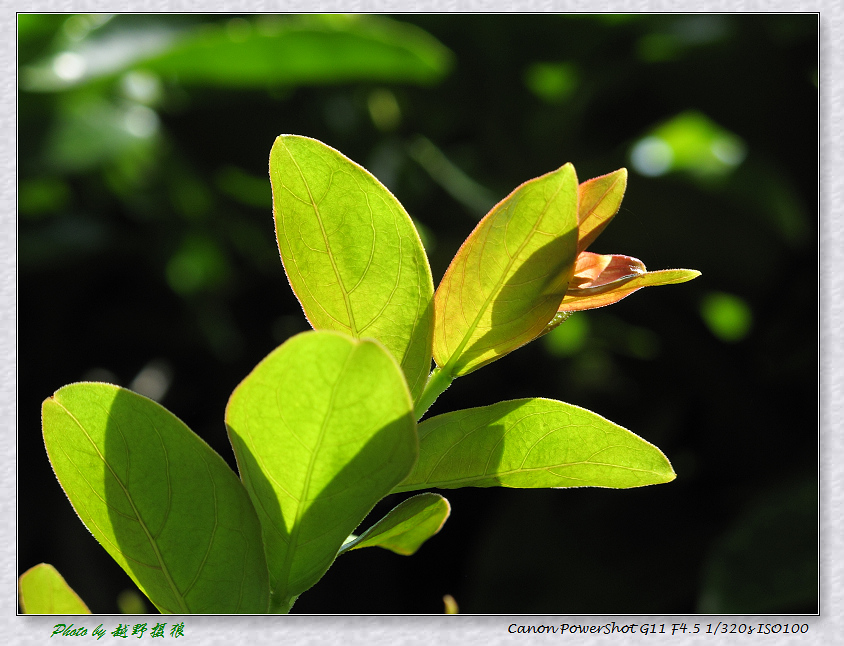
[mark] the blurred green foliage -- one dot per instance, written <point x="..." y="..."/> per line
<point x="143" y="197"/>
<point x="727" y="316"/>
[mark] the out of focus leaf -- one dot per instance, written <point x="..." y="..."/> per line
<point x="43" y="591"/>
<point x="306" y="50"/>
<point x="689" y="142"/>
<point x="261" y="52"/>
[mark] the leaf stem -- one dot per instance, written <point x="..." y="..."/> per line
<point x="438" y="382"/>
<point x="283" y="606"/>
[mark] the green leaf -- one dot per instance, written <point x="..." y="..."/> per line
<point x="264" y="52"/>
<point x="507" y="280"/>
<point x="599" y="199"/>
<point x="322" y="429"/>
<point x="43" y="591"/>
<point x="164" y="505"/>
<point x="306" y="50"/>
<point x="351" y="252"/>
<point x="406" y="527"/>
<point x="532" y="443"/>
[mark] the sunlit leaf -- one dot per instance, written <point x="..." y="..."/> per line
<point x="598" y="200"/>
<point x="322" y="430"/>
<point x="43" y="591"/>
<point x="505" y="283"/>
<point x="529" y="443"/>
<point x="406" y="527"/>
<point x="164" y="505"/>
<point x="351" y="252"/>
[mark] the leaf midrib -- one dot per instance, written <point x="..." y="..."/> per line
<point x="164" y="569"/>
<point x="497" y="474"/>
<point x="292" y="545"/>
<point x="340" y="284"/>
<point x="449" y="366"/>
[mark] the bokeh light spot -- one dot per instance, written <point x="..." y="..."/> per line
<point x="652" y="157"/>
<point x="727" y="316"/>
<point x="384" y="110"/>
<point x="143" y="87"/>
<point x="552" y="82"/>
<point x="140" y="121"/>
<point x="689" y="142"/>
<point x="569" y="337"/>
<point x="69" y="66"/>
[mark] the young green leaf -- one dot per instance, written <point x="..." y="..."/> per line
<point x="406" y="527"/>
<point x="322" y="429"/>
<point x="598" y="200"/>
<point x="505" y="283"/>
<point x="164" y="505"/>
<point x="529" y="443"/>
<point x="351" y="252"/>
<point x="43" y="591"/>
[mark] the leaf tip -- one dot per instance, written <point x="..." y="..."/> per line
<point x="681" y="275"/>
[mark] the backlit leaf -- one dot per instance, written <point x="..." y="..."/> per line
<point x="164" y="505"/>
<point x="351" y="252"/>
<point x="406" y="527"/>
<point x="599" y="199"/>
<point x="322" y="429"/>
<point x="530" y="443"/>
<point x="505" y="283"/>
<point x="43" y="591"/>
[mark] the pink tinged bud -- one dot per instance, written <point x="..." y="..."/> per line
<point x="601" y="280"/>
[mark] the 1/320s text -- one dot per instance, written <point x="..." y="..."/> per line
<point x="682" y="628"/>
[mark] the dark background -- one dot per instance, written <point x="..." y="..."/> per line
<point x="146" y="257"/>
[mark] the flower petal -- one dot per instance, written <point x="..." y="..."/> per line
<point x="598" y="201"/>
<point x="607" y="293"/>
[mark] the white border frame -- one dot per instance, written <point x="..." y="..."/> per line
<point x="828" y="628"/>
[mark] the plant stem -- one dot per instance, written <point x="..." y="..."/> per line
<point x="438" y="382"/>
<point x="283" y="607"/>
